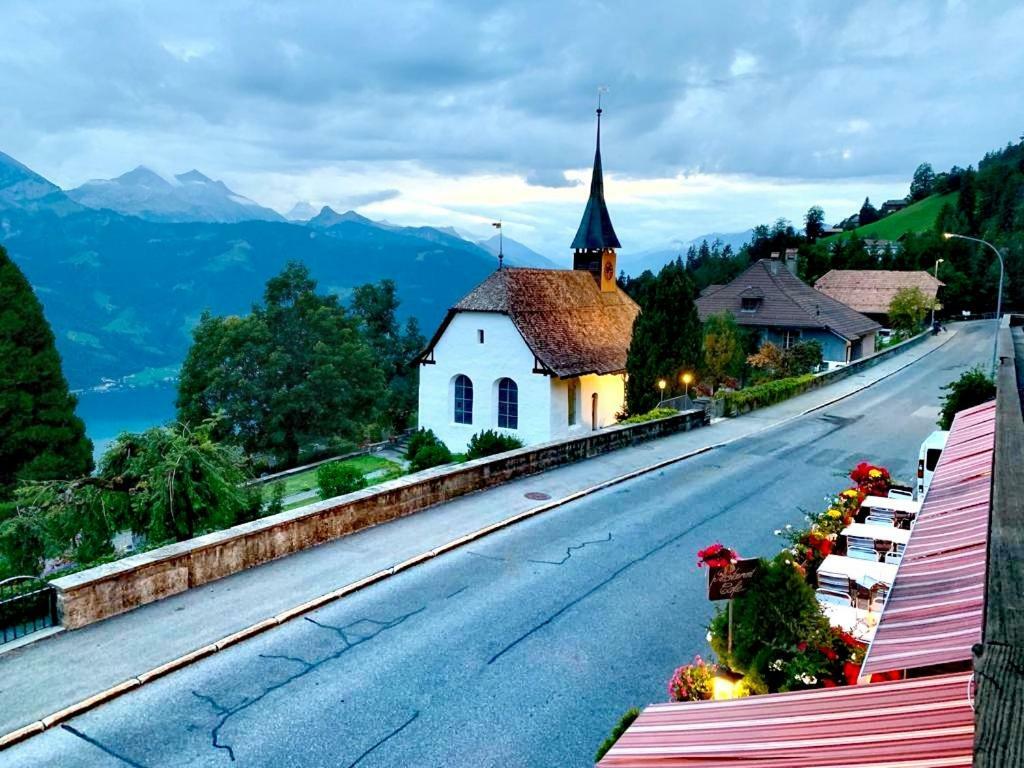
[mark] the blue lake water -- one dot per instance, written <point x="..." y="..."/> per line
<point x="108" y="414"/>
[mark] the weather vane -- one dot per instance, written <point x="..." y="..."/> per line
<point x="501" y="242"/>
<point x="600" y="90"/>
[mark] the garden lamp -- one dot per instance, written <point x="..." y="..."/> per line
<point x="687" y="380"/>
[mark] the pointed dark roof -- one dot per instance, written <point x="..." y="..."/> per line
<point x="786" y="302"/>
<point x="572" y="327"/>
<point x="596" y="232"/>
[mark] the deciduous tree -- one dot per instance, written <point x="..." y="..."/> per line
<point x="723" y="348"/>
<point x="908" y="309"/>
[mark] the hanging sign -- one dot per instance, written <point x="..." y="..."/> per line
<point x="729" y="581"/>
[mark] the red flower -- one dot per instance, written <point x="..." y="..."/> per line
<point x="801" y="646"/>
<point x="830" y="683"/>
<point x="716" y="556"/>
<point x="851" y="672"/>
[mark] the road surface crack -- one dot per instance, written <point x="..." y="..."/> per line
<point x="390" y="736"/>
<point x="350" y="639"/>
<point x="570" y="550"/>
<point x="101" y="746"/>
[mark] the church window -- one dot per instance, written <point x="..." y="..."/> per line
<point x="480" y="335"/>
<point x="463" y="400"/>
<point x="573" y="397"/>
<point x="508" y="404"/>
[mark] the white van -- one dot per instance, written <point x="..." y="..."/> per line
<point x="927" y="459"/>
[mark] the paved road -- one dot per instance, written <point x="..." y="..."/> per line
<point x="523" y="649"/>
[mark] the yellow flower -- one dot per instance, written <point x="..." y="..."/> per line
<point x="874" y="473"/>
<point x="850" y="493"/>
<point x="833" y="512"/>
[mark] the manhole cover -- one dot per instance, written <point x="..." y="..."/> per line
<point x="537" y="496"/>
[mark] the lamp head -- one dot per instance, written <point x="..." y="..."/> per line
<point x="687" y="378"/>
<point x="662" y="384"/>
<point x="948" y="235"/>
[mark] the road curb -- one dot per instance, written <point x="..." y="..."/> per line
<point x="260" y="627"/>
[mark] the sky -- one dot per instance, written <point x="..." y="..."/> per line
<point x="718" y="116"/>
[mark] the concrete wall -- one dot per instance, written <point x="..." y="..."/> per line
<point x="107" y="590"/>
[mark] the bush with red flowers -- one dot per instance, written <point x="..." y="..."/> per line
<point x="872" y="480"/>
<point x="716" y="556"/>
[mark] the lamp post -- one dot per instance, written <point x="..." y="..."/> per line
<point x="661" y="388"/>
<point x="999" y="295"/>
<point x="936" y="299"/>
<point x="687" y="380"/>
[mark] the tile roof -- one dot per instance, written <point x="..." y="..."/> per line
<point x="571" y="327"/>
<point x="787" y="303"/>
<point x="872" y="290"/>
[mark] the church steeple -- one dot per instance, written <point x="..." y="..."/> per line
<point x="596" y="240"/>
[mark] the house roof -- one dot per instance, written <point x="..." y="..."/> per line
<point x="872" y="290"/>
<point x="572" y="328"/>
<point x="788" y="303"/>
<point x="596" y="232"/>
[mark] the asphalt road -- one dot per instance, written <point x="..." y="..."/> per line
<point x="524" y="648"/>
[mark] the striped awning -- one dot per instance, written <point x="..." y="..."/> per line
<point x="933" y="614"/>
<point x="922" y="723"/>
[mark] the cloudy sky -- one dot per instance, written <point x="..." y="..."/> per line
<point x="718" y="115"/>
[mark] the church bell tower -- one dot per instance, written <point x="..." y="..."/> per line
<point x="595" y="242"/>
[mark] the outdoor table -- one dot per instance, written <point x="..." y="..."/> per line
<point x="856" y="621"/>
<point x="904" y="506"/>
<point x="864" y="572"/>
<point x="878" y="532"/>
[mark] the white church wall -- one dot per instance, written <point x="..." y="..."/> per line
<point x="503" y="353"/>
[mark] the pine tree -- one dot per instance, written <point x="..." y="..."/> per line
<point x="666" y="339"/>
<point x="41" y="438"/>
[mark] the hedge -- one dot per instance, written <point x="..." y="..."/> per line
<point x="651" y="415"/>
<point x="769" y="393"/>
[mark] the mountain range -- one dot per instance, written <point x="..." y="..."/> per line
<point x="125" y="267"/>
<point x="655" y="258"/>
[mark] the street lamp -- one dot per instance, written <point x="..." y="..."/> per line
<point x="661" y="387"/>
<point x="936" y="299"/>
<point x="999" y="296"/>
<point x="687" y="380"/>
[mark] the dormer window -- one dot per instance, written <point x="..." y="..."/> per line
<point x="751" y="298"/>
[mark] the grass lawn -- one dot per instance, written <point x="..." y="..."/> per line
<point x="919" y="217"/>
<point x="306" y="481"/>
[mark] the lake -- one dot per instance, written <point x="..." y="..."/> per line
<point x="108" y="414"/>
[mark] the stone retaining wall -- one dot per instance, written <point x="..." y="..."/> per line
<point x="114" y="588"/>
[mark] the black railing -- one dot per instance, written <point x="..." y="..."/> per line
<point x="27" y="604"/>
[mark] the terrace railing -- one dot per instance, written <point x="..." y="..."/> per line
<point x="27" y="604"/>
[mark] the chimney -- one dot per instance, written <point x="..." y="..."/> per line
<point x="792" y="259"/>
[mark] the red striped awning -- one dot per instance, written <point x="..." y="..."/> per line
<point x="933" y="614"/>
<point x="927" y="722"/>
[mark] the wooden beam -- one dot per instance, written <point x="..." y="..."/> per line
<point x="999" y="660"/>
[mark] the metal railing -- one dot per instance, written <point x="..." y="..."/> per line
<point x="27" y="604"/>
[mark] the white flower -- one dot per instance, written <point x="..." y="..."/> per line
<point x="789" y="562"/>
<point x="807" y="679"/>
<point x="709" y="636"/>
<point x="776" y="665"/>
<point x="778" y="531"/>
<point x="788" y="526"/>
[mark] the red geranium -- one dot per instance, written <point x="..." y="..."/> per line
<point x="872" y="480"/>
<point x="716" y="556"/>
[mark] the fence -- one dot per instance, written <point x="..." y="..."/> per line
<point x="27" y="604"/>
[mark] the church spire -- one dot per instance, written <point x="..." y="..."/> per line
<point x="596" y="232"/>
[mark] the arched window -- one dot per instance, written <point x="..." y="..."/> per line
<point x="508" y="404"/>
<point x="463" y="400"/>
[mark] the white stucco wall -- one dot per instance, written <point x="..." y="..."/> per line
<point x="503" y="353"/>
<point x="543" y="400"/>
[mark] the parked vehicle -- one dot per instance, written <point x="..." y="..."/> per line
<point x="928" y="458"/>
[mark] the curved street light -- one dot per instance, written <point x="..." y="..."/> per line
<point x="999" y="296"/>
<point x="936" y="299"/>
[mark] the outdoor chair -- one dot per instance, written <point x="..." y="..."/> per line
<point x="894" y="558"/>
<point x="862" y="554"/>
<point x="834" y="582"/>
<point x="874" y="519"/>
<point x="829" y="597"/>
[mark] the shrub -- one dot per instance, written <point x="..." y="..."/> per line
<point x="971" y="389"/>
<point x="337" y="479"/>
<point x="489" y="442"/>
<point x="651" y="415"/>
<point x="420" y="438"/>
<point x="765" y="394"/>
<point x="276" y="503"/>
<point x="803" y="357"/>
<point x="432" y="455"/>
<point x="620" y="728"/>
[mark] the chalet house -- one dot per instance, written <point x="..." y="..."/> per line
<point x="870" y="291"/>
<point x="539" y="354"/>
<point x="771" y="300"/>
<point x="891" y="206"/>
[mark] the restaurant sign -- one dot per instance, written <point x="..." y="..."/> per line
<point x="729" y="581"/>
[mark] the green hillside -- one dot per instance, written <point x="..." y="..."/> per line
<point x="919" y="217"/>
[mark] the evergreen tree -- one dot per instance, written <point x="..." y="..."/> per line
<point x="666" y="339"/>
<point x="41" y="438"/>
<point x="922" y="183"/>
<point x="868" y="213"/>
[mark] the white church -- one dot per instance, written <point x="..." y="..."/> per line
<point x="535" y="353"/>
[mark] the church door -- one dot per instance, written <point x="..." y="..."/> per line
<point x="593" y="411"/>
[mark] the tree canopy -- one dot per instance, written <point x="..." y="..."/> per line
<point x="908" y="309"/>
<point x="297" y="371"/>
<point x="41" y="438"/>
<point x="724" y="345"/>
<point x="666" y="338"/>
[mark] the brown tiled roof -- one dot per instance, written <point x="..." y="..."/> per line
<point x="872" y="290"/>
<point x="788" y="303"/>
<point x="571" y="327"/>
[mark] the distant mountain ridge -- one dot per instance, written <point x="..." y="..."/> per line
<point x="655" y="258"/>
<point x="190" y="196"/>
